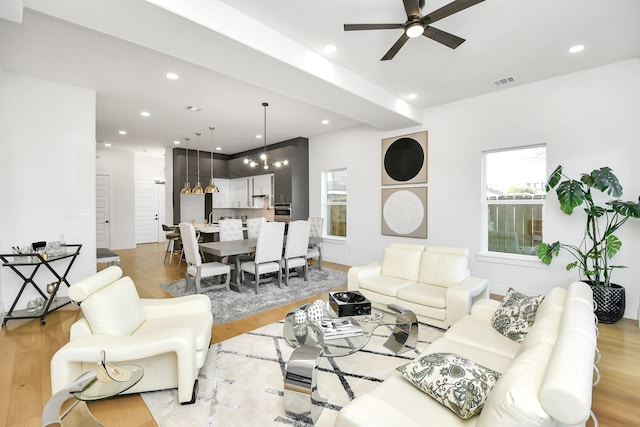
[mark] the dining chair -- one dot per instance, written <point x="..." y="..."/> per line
<point x="230" y="229"/>
<point x="268" y="254"/>
<point x="195" y="267"/>
<point x="315" y="230"/>
<point x="173" y="236"/>
<point x="296" y="247"/>
<point x="253" y="226"/>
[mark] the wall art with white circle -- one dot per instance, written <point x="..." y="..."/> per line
<point x="404" y="212"/>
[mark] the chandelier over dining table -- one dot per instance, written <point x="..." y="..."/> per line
<point x="264" y="160"/>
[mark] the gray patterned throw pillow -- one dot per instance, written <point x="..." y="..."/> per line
<point x="515" y="315"/>
<point x="455" y="382"/>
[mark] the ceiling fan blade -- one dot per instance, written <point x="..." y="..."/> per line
<point x="449" y="9"/>
<point x="358" y="27"/>
<point x="411" y="7"/>
<point x="395" y="48"/>
<point x="443" y="37"/>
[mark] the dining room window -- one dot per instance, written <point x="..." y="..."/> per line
<point x="335" y="202"/>
<point x="514" y="187"/>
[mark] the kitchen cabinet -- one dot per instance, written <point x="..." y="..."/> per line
<point x="239" y="192"/>
<point x="262" y="185"/>
<point x="221" y="199"/>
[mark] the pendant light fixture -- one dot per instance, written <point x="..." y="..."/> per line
<point x="187" y="187"/>
<point x="211" y="188"/>
<point x="263" y="157"/>
<point x="198" y="188"/>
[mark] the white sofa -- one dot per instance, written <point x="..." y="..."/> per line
<point x="169" y="338"/>
<point x="545" y="381"/>
<point x="433" y="282"/>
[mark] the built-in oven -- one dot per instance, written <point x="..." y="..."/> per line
<point x="282" y="212"/>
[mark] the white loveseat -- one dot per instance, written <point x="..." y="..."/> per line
<point x="433" y="282"/>
<point x="546" y="380"/>
<point x="169" y="338"/>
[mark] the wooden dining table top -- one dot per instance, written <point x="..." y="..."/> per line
<point x="239" y="247"/>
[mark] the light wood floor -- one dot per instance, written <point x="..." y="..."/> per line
<point x="26" y="349"/>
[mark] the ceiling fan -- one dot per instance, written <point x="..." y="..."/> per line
<point x="418" y="25"/>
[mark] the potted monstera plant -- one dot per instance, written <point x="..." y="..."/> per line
<point x="593" y="255"/>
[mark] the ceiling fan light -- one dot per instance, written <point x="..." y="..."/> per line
<point x="246" y="161"/>
<point x="414" y="30"/>
<point x="285" y="162"/>
<point x="252" y="164"/>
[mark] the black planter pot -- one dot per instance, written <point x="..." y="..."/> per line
<point x="609" y="302"/>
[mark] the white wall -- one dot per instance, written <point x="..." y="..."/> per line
<point x="47" y="170"/>
<point x="587" y="120"/>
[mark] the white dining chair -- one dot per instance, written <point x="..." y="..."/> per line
<point x="296" y="247"/>
<point x="315" y="230"/>
<point x="268" y="254"/>
<point x="195" y="267"/>
<point x="230" y="229"/>
<point x="253" y="226"/>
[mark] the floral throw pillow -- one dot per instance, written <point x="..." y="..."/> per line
<point x="515" y="315"/>
<point x="455" y="382"/>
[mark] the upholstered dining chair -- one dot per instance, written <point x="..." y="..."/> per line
<point x="315" y="230"/>
<point x="173" y="237"/>
<point x="195" y="267"/>
<point x="268" y="254"/>
<point x="253" y="227"/>
<point x="296" y="247"/>
<point x="230" y="229"/>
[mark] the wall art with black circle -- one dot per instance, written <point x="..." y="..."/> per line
<point x="404" y="159"/>
<point x="404" y="212"/>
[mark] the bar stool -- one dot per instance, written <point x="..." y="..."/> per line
<point x="173" y="235"/>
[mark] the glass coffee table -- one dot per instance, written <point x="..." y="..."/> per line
<point x="85" y="388"/>
<point x="302" y="400"/>
<point x="403" y="338"/>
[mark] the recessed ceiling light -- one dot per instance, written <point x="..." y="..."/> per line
<point x="172" y="76"/>
<point x="325" y="122"/>
<point x="577" y="48"/>
<point x="218" y="148"/>
<point x="106" y="144"/>
<point x="122" y="132"/>
<point x="412" y="96"/>
<point x="330" y="48"/>
<point x="259" y="136"/>
<point x="145" y="113"/>
<point x="176" y="142"/>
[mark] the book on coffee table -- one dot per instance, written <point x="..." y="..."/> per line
<point x="339" y="328"/>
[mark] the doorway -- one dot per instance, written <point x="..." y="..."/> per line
<point x="103" y="229"/>
<point x="148" y="211"/>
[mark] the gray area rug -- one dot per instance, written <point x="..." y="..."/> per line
<point x="242" y="381"/>
<point x="230" y="306"/>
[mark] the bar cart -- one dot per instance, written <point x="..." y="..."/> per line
<point x="26" y="266"/>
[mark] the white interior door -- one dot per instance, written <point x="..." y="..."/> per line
<point x="102" y="212"/>
<point x="147" y="211"/>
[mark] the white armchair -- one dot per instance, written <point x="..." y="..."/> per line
<point x="169" y="338"/>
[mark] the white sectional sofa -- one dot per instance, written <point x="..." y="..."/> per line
<point x="546" y="380"/>
<point x="433" y="282"/>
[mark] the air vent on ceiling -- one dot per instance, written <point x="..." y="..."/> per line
<point x="504" y="81"/>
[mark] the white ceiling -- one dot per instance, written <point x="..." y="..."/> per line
<point x="241" y="53"/>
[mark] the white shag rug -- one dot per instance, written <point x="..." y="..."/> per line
<point x="241" y="383"/>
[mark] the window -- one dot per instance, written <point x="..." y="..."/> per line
<point x="335" y="201"/>
<point x="514" y="194"/>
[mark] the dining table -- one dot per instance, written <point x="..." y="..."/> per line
<point x="235" y="248"/>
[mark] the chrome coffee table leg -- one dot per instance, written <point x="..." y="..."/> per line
<point x="302" y="400"/>
<point x="405" y="335"/>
